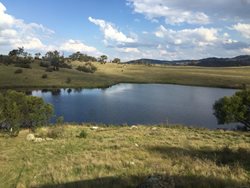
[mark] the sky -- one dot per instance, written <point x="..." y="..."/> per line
<point x="128" y="29"/>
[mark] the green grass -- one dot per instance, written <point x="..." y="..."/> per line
<point x="123" y="157"/>
<point x="110" y="74"/>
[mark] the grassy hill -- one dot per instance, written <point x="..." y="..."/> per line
<point x="124" y="156"/>
<point x="109" y="74"/>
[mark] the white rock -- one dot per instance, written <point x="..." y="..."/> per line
<point x="94" y="128"/>
<point x="30" y="137"/>
<point x="136" y="145"/>
<point x="48" y="139"/>
<point x="154" y="128"/>
<point x="38" y="140"/>
<point x="133" y="127"/>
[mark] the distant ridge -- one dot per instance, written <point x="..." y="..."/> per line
<point x="242" y="60"/>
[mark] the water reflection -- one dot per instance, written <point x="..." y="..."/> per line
<point x="137" y="104"/>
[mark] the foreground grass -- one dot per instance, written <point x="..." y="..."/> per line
<point x="124" y="156"/>
<point x="110" y="74"/>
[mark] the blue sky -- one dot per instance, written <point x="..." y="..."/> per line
<point x="128" y="29"/>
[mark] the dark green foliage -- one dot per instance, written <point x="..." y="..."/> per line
<point x="44" y="76"/>
<point x="234" y="109"/>
<point x="60" y="120"/>
<point x="44" y="64"/>
<point x="18" y="110"/>
<point x="88" y="67"/>
<point x="18" y="71"/>
<point x="83" y="134"/>
<point x="116" y="60"/>
<point x="23" y="65"/>
<point x="78" y="56"/>
<point x="103" y="59"/>
<point x="49" y="69"/>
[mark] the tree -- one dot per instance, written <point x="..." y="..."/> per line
<point x="18" y="110"/>
<point x="37" y="55"/>
<point x="234" y="109"/>
<point x="116" y="60"/>
<point x="54" y="58"/>
<point x="103" y="59"/>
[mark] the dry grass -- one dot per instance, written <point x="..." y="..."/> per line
<point x="123" y="157"/>
<point x="109" y="74"/>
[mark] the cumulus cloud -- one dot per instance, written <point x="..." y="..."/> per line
<point x="111" y="32"/>
<point x="192" y="12"/>
<point x="244" y="29"/>
<point x="76" y="45"/>
<point x="128" y="50"/>
<point x="198" y="36"/>
<point x="16" y="33"/>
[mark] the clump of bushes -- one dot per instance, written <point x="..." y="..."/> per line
<point x="23" y="65"/>
<point x="83" y="134"/>
<point x="88" y="67"/>
<point x="18" y="71"/>
<point x="60" y="120"/>
<point x="49" y="69"/>
<point x="45" y="64"/>
<point x="56" y="132"/>
<point x="18" y="110"/>
<point x="44" y="76"/>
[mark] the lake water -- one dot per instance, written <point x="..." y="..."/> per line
<point x="138" y="104"/>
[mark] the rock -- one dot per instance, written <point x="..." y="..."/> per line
<point x="154" y="128"/>
<point x="94" y="128"/>
<point x="38" y="140"/>
<point x="136" y="145"/>
<point x="30" y="137"/>
<point x="133" y="127"/>
<point x="157" y="181"/>
<point x="48" y="139"/>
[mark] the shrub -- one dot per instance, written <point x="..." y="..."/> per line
<point x="23" y="65"/>
<point x="82" y="134"/>
<point x="56" y="132"/>
<point x="44" y="64"/>
<point x="18" y="71"/>
<point x="44" y="76"/>
<point x="88" y="67"/>
<point x="49" y="69"/>
<point x="59" y="120"/>
<point x="21" y="111"/>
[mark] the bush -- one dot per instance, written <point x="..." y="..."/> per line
<point x="56" y="132"/>
<point x="23" y="65"/>
<point x="44" y="64"/>
<point x="59" y="120"/>
<point x="88" y="67"/>
<point x="83" y="134"/>
<point x="18" y="71"/>
<point x="49" y="69"/>
<point x="21" y="111"/>
<point x="44" y="76"/>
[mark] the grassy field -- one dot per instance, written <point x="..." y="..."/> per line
<point x="124" y="156"/>
<point x="110" y="74"/>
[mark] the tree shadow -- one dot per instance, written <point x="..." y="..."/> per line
<point x="161" y="181"/>
<point x="224" y="156"/>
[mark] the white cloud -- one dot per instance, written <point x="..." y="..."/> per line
<point x="191" y="11"/>
<point x="111" y="32"/>
<point x="246" y="51"/>
<point x="128" y="50"/>
<point x="76" y="45"/>
<point x="199" y="36"/>
<point x="244" y="29"/>
<point x="160" y="8"/>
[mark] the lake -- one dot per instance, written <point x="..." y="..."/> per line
<point x="138" y="104"/>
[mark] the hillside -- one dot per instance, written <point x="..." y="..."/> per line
<point x="243" y="60"/>
<point x="125" y="156"/>
<point x="110" y="73"/>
